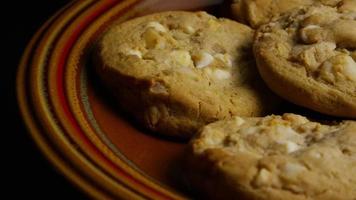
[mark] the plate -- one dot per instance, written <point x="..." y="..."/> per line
<point x="74" y="121"/>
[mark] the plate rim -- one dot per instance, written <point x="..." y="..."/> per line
<point x="30" y="116"/>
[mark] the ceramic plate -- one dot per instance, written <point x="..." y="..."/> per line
<point x="74" y="121"/>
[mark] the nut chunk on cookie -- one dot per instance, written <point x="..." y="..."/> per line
<point x="308" y="57"/>
<point x="176" y="71"/>
<point x="275" y="157"/>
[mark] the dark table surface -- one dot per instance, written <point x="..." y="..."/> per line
<point x="27" y="172"/>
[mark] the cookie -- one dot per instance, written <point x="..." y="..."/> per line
<point x="308" y="57"/>
<point x="176" y="71"/>
<point x="275" y="157"/>
<point x="258" y="12"/>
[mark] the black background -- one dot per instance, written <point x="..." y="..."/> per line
<point x="27" y="173"/>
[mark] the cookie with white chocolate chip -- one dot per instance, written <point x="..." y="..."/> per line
<point x="275" y="157"/>
<point x="308" y="58"/>
<point x="176" y="71"/>
<point x="259" y="12"/>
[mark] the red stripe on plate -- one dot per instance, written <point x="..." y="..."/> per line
<point x="65" y="104"/>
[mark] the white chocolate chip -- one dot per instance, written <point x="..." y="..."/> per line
<point x="328" y="45"/>
<point x="267" y="35"/>
<point x="221" y="74"/>
<point x="210" y="141"/>
<point x="153" y="115"/>
<point x="327" y="67"/>
<point x="292" y="169"/>
<point x="343" y="64"/>
<point x="313" y="55"/>
<point x="213" y="23"/>
<point x="133" y="52"/>
<point x="239" y="121"/>
<point x="350" y="68"/>
<point x="202" y="60"/>
<point x="289" y="146"/>
<point x="186" y="71"/>
<point x="308" y="32"/>
<point x="309" y="27"/>
<point x="287" y="133"/>
<point x="263" y="178"/>
<point x="188" y="29"/>
<point x="213" y="137"/>
<point x="315" y="154"/>
<point x="250" y="130"/>
<point x="225" y="58"/>
<point x="182" y="57"/>
<point x="159" y="88"/>
<point x="157" y="26"/>
<point x="153" y="39"/>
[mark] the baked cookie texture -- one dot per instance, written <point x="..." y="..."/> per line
<point x="308" y="57"/>
<point x="259" y="12"/>
<point x="275" y="157"/>
<point x="176" y="71"/>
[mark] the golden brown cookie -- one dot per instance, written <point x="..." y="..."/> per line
<point x="275" y="157"/>
<point x="176" y="71"/>
<point x="308" y="58"/>
<point x="258" y="12"/>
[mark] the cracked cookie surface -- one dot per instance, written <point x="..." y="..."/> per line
<point x="308" y="57"/>
<point x="176" y="71"/>
<point x="275" y="157"/>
